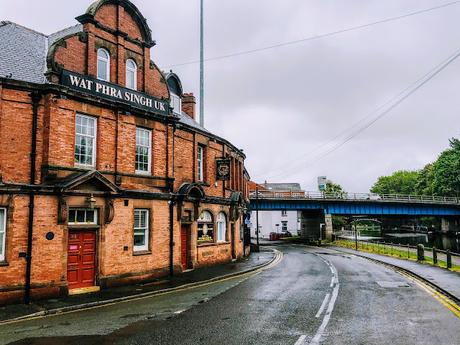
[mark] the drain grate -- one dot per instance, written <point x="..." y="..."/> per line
<point x="393" y="285"/>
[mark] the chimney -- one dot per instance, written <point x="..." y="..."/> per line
<point x="188" y="104"/>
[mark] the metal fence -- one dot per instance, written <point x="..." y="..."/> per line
<point x="356" y="196"/>
<point x="407" y="251"/>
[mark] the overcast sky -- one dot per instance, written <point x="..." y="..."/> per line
<point x="285" y="106"/>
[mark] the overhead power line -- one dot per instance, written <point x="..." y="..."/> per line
<point x="316" y="37"/>
<point x="295" y="162"/>
<point x="403" y="95"/>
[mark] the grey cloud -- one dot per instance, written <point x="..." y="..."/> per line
<point x="279" y="105"/>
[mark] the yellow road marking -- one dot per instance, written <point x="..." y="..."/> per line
<point x="276" y="261"/>
<point x="444" y="300"/>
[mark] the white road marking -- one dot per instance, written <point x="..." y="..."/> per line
<point x="301" y="340"/>
<point x="323" y="305"/>
<point x="327" y="316"/>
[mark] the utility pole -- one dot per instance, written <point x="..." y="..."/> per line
<point x="257" y="217"/>
<point x="202" y="63"/>
<point x="356" y="237"/>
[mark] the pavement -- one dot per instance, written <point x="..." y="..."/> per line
<point x="314" y="295"/>
<point x="441" y="277"/>
<point x="203" y="274"/>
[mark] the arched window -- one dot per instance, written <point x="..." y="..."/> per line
<point x="175" y="89"/>
<point x="221" y="227"/>
<point x="103" y="64"/>
<point x="205" y="228"/>
<point x="131" y="74"/>
<point x="176" y="103"/>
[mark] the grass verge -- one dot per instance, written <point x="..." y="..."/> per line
<point x="392" y="251"/>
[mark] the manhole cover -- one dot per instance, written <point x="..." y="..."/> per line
<point x="385" y="284"/>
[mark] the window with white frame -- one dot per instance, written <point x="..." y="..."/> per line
<point x="205" y="228"/>
<point x="221" y="227"/>
<point x="284" y="226"/>
<point x="176" y="103"/>
<point x="103" y="64"/>
<point x="2" y="234"/>
<point x="141" y="230"/>
<point x="283" y="213"/>
<point x="82" y="216"/>
<point x="85" y="140"/>
<point x="200" y="163"/>
<point x="143" y="150"/>
<point x="131" y="74"/>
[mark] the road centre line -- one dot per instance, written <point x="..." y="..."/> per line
<point x="323" y="305"/>
<point x="428" y="287"/>
<point x="330" y="306"/>
<point x="327" y="316"/>
<point x="301" y="340"/>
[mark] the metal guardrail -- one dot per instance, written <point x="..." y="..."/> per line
<point x="383" y="247"/>
<point x="427" y="199"/>
<point x="402" y="246"/>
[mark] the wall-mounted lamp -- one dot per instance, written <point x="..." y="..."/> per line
<point x="90" y="202"/>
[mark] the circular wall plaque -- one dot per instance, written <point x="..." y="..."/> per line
<point x="49" y="235"/>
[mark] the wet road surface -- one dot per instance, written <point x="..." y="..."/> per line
<point x="313" y="296"/>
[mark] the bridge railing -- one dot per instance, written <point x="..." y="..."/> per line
<point x="356" y="196"/>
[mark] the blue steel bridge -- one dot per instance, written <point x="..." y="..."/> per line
<point x="357" y="204"/>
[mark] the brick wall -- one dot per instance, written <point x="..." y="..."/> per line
<point x="173" y="155"/>
<point x="79" y="54"/>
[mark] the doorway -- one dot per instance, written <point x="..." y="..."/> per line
<point x="185" y="246"/>
<point x="232" y="238"/>
<point x="81" y="259"/>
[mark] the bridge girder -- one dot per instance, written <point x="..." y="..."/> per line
<point x="348" y="207"/>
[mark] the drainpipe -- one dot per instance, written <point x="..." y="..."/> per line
<point x="35" y="103"/>
<point x="171" y="237"/>
<point x="171" y="206"/>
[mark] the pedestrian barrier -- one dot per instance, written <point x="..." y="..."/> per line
<point x="437" y="257"/>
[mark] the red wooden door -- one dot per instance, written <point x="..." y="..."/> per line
<point x="232" y="238"/>
<point x="184" y="246"/>
<point x="81" y="259"/>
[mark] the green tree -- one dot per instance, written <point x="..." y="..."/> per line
<point x="339" y="222"/>
<point x="400" y="182"/>
<point x="425" y="181"/>
<point x="446" y="180"/>
<point x="335" y="189"/>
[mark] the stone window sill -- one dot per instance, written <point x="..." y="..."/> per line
<point x="206" y="244"/>
<point x="212" y="244"/>
<point x="142" y="252"/>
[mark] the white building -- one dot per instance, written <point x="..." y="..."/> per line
<point x="276" y="221"/>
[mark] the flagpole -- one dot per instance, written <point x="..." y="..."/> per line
<point x="202" y="63"/>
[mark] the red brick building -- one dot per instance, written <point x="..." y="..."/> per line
<point x="106" y="177"/>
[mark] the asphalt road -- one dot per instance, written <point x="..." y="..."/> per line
<point x="313" y="296"/>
